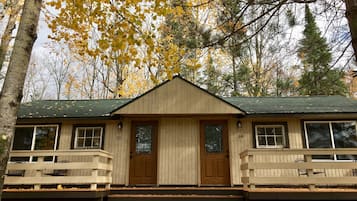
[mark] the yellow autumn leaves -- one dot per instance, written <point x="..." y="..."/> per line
<point x="124" y="34"/>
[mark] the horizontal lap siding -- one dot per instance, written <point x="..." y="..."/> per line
<point x="178" y="151"/>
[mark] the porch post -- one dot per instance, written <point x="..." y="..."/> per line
<point x="309" y="172"/>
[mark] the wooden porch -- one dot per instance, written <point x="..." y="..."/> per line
<point x="267" y="174"/>
<point x="296" y="168"/>
<point x="36" y="170"/>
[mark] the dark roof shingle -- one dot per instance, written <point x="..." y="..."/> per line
<point x="69" y="108"/>
<point x="251" y="105"/>
<point x="295" y="105"/>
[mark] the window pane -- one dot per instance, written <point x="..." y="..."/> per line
<point x="80" y="142"/>
<point x="271" y="141"/>
<point x="344" y="134"/>
<point x="213" y="138"/>
<point x="279" y="140"/>
<point x="89" y="132"/>
<point x="88" y="142"/>
<point x="269" y="131"/>
<point x="261" y="140"/>
<point x="261" y="131"/>
<point x="97" y="132"/>
<point x="278" y="131"/>
<point x="144" y="139"/>
<point x="45" y="138"/>
<point x="318" y="135"/>
<point x="80" y="132"/>
<point x="96" y="142"/>
<point x="23" y="138"/>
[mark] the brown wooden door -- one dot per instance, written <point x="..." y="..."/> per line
<point x="143" y="153"/>
<point x="214" y="153"/>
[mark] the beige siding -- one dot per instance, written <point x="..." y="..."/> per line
<point x="65" y="136"/>
<point x="178" y="97"/>
<point x="117" y="142"/>
<point x="178" y="151"/>
<point x="240" y="139"/>
<point x="295" y="135"/>
<point x="178" y="148"/>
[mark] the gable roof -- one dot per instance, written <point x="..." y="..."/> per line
<point x="69" y="108"/>
<point x="178" y="96"/>
<point x="295" y="105"/>
<point x="105" y="108"/>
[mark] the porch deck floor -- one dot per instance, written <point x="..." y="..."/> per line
<point x="257" y="194"/>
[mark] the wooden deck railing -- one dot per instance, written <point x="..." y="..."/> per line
<point x="65" y="167"/>
<point x="296" y="167"/>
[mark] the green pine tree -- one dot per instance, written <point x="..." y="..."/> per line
<point x="318" y="77"/>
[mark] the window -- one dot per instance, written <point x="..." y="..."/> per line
<point x="214" y="138"/>
<point x="88" y="137"/>
<point x="34" y="137"/>
<point x="331" y="134"/>
<point x="270" y="135"/>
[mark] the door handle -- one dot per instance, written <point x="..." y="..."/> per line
<point x="131" y="155"/>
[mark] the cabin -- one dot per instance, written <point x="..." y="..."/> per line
<point x="179" y="142"/>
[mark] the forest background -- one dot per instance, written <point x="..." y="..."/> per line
<point x="106" y="49"/>
<point x="112" y="49"/>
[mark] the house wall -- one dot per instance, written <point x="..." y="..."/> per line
<point x="178" y="151"/>
<point x="116" y="141"/>
<point x="186" y="99"/>
<point x="178" y="148"/>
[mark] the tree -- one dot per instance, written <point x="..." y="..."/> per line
<point x="11" y="93"/>
<point x="351" y="14"/>
<point x="110" y="32"/>
<point x="318" y="77"/>
<point x="12" y="8"/>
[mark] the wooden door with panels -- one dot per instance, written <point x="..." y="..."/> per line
<point x="143" y="153"/>
<point x="214" y="153"/>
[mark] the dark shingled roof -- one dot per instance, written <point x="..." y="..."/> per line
<point x="250" y="105"/>
<point x="69" y="108"/>
<point x="295" y="105"/>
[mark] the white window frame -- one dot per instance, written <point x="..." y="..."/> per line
<point x="87" y="128"/>
<point x="34" y="137"/>
<point x="331" y="135"/>
<point x="282" y="126"/>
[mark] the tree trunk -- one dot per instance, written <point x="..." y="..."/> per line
<point x="10" y="26"/>
<point x="11" y="94"/>
<point x="351" y="14"/>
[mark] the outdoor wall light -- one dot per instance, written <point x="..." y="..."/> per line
<point x="120" y="125"/>
<point x="239" y="124"/>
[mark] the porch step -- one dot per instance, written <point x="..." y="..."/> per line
<point x="176" y="194"/>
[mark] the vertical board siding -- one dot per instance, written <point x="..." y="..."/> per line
<point x="295" y="134"/>
<point x="178" y="148"/>
<point x="186" y="99"/>
<point x="117" y="142"/>
<point x="177" y="152"/>
<point x="240" y="139"/>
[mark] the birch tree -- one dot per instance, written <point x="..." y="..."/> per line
<point x="11" y="93"/>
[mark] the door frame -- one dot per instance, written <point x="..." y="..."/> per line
<point x="202" y="151"/>
<point x="155" y="146"/>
